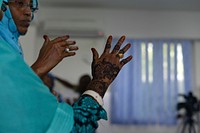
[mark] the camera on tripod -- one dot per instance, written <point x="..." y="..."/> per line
<point x="191" y="105"/>
<point x="189" y="119"/>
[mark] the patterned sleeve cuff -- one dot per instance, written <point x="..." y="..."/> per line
<point x="86" y="114"/>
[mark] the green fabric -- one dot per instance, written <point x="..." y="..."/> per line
<point x="64" y="114"/>
<point x="27" y="106"/>
<point x="86" y="114"/>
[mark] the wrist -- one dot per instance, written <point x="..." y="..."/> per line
<point x="98" y="86"/>
<point x="37" y="70"/>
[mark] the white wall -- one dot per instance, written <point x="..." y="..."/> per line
<point x="196" y="68"/>
<point x="28" y="43"/>
<point x="134" y="24"/>
<point x="137" y="24"/>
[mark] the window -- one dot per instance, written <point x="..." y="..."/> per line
<point x="146" y="90"/>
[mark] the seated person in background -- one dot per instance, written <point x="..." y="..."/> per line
<point x="49" y="81"/>
<point x="26" y="104"/>
<point x="81" y="87"/>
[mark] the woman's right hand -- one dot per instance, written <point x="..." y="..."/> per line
<point x="52" y="53"/>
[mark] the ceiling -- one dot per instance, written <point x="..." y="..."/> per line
<point x="183" y="5"/>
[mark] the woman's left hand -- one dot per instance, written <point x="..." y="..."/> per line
<point x="106" y="67"/>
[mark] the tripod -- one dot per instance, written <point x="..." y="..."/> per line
<point x="190" y="123"/>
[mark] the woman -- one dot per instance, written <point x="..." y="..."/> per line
<point x="26" y="105"/>
<point x="16" y="21"/>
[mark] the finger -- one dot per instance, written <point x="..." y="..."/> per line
<point x="71" y="42"/>
<point x="108" y="45"/>
<point x="46" y="39"/>
<point x="69" y="54"/>
<point x="95" y="54"/>
<point x="118" y="45"/>
<point x="125" y="48"/>
<point x="124" y="61"/>
<point x="60" y="39"/>
<point x="66" y="43"/>
<point x="72" y="48"/>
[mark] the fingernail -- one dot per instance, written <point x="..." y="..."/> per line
<point x="123" y="37"/>
<point x="44" y="36"/>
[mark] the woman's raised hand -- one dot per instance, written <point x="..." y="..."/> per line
<point x="52" y="52"/>
<point x="106" y="67"/>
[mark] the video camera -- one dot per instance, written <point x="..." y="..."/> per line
<point x="191" y="104"/>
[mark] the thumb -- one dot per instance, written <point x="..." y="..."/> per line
<point x="46" y="39"/>
<point x="95" y="54"/>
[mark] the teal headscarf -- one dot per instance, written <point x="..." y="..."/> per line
<point x="9" y="31"/>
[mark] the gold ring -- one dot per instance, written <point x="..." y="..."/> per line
<point x="120" y="55"/>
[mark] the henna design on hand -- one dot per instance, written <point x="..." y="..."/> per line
<point x="105" y="70"/>
<point x="106" y="67"/>
<point x="103" y="74"/>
